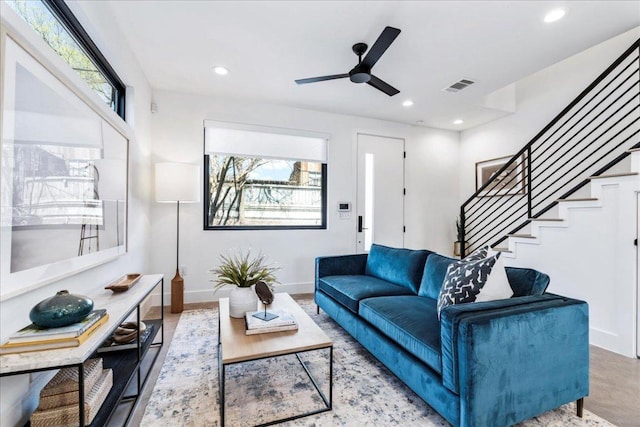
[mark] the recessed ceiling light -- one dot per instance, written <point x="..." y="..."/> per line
<point x="407" y="103"/>
<point x="222" y="71"/>
<point x="458" y="121"/>
<point x="555" y="15"/>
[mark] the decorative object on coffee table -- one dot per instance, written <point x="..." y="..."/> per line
<point x="265" y="294"/>
<point x="243" y="271"/>
<point x="175" y="183"/>
<point x="62" y="309"/>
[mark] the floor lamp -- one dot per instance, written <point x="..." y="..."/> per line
<point x="177" y="183"/>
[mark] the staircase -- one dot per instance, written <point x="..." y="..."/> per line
<point x="594" y="141"/>
<point x="561" y="215"/>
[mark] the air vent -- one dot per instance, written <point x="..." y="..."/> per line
<point x="459" y="85"/>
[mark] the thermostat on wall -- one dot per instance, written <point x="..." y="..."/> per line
<point x="344" y="207"/>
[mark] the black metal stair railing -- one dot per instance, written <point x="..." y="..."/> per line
<point x="590" y="136"/>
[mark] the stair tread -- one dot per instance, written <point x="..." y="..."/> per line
<point x="614" y="175"/>
<point x="584" y="199"/>
<point x="502" y="250"/>
<point x="525" y="236"/>
<point x="547" y="219"/>
<point x="631" y="150"/>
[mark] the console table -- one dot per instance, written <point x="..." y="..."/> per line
<point x="130" y="367"/>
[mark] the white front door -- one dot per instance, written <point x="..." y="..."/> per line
<point x="380" y="199"/>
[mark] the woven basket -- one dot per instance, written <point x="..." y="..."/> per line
<point x="67" y="416"/>
<point x="66" y="380"/>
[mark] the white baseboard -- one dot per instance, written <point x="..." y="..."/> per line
<point x="210" y="295"/>
<point x="609" y="341"/>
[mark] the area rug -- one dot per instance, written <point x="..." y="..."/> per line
<point x="365" y="393"/>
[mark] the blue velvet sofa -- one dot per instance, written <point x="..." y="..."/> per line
<point x="492" y="363"/>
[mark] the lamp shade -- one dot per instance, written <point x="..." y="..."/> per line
<point x="177" y="182"/>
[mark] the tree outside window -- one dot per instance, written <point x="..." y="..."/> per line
<point x="45" y="23"/>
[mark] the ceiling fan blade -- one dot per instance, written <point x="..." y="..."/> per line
<point x="383" y="86"/>
<point x="321" y="79"/>
<point x="385" y="39"/>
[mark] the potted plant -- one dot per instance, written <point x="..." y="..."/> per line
<point x="243" y="271"/>
<point x="457" y="245"/>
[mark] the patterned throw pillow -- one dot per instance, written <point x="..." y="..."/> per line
<point x="478" y="254"/>
<point x="474" y="280"/>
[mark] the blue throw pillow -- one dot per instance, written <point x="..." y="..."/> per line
<point x="396" y="265"/>
<point x="526" y="281"/>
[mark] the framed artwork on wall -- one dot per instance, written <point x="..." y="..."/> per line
<point x="63" y="178"/>
<point x="510" y="181"/>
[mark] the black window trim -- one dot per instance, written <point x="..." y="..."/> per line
<point x="71" y="23"/>
<point x="207" y="227"/>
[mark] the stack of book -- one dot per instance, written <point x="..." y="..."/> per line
<point x="59" y="399"/>
<point x="34" y="338"/>
<point x="284" y="322"/>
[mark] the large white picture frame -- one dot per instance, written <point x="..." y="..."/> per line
<point x="63" y="178"/>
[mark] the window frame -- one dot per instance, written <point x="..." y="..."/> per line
<point x="66" y="17"/>
<point x="207" y="201"/>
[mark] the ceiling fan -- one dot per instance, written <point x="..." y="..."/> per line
<point x="361" y="73"/>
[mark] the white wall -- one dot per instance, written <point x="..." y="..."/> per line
<point x="431" y="182"/>
<point x="19" y="394"/>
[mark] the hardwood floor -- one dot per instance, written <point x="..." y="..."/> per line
<point x="614" y="395"/>
<point x="615" y="388"/>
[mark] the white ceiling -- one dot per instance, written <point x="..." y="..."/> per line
<point x="268" y="44"/>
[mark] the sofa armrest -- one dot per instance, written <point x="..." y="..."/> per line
<point x="513" y="359"/>
<point x="340" y="265"/>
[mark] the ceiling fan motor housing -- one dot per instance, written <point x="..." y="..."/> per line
<point x="360" y="74"/>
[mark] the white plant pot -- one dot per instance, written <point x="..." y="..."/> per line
<point x="242" y="300"/>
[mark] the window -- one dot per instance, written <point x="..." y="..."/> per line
<point x="60" y="29"/>
<point x="264" y="178"/>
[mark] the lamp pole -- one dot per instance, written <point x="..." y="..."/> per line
<point x="177" y="283"/>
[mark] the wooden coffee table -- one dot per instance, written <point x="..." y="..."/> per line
<point x="236" y="347"/>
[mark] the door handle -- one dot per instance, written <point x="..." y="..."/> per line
<point x="359" y="223"/>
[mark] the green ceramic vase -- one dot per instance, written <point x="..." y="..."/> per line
<point x="62" y="309"/>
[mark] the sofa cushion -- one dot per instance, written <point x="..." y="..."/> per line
<point x="349" y="290"/>
<point x="471" y="281"/>
<point x="399" y="266"/>
<point x="434" y="271"/>
<point x="410" y="321"/>
<point x="526" y="281"/>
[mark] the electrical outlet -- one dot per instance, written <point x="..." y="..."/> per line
<point x="183" y="270"/>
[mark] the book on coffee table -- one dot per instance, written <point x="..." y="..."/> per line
<point x="284" y="322"/>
